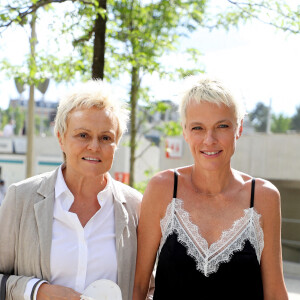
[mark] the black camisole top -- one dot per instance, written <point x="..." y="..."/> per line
<point x="228" y="269"/>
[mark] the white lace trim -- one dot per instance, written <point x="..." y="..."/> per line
<point x="208" y="259"/>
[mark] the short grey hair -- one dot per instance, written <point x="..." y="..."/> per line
<point x="201" y="88"/>
<point x="93" y="93"/>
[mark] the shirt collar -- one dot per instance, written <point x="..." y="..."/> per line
<point x="62" y="192"/>
<point x="106" y="194"/>
<point x="64" y="195"/>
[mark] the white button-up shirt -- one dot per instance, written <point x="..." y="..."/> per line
<point x="81" y="255"/>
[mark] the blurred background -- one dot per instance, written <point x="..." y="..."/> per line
<point x="144" y="48"/>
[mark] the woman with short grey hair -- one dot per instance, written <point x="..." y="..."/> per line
<point x="63" y="230"/>
<point x="215" y="231"/>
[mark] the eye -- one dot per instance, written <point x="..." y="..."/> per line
<point x="83" y="135"/>
<point x="106" y="138"/>
<point x="197" y="128"/>
<point x="223" y="126"/>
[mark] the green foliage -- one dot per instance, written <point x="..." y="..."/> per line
<point x="146" y="31"/>
<point x="60" y="69"/>
<point x="37" y="124"/>
<point x="280" y="123"/>
<point x="19" y="117"/>
<point x="141" y="186"/>
<point x="139" y="35"/>
<point x="259" y="117"/>
<point x="139" y="32"/>
<point x="13" y="113"/>
<point x="171" y="128"/>
<point x="295" y="122"/>
<point x="46" y="63"/>
<point x="277" y="13"/>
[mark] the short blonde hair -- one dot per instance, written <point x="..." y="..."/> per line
<point x="201" y="88"/>
<point x="93" y="93"/>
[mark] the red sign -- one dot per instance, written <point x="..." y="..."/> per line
<point x="122" y="176"/>
<point x="173" y="147"/>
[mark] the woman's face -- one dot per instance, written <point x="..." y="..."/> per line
<point x="90" y="141"/>
<point x="211" y="133"/>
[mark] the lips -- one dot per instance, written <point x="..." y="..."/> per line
<point x="93" y="159"/>
<point x="211" y="153"/>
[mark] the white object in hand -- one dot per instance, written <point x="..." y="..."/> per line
<point x="102" y="289"/>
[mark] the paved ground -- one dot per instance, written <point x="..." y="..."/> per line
<point x="293" y="286"/>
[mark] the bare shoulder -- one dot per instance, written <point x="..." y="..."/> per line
<point x="162" y="179"/>
<point x="159" y="191"/>
<point x="267" y="191"/>
<point x="161" y="184"/>
<point x="267" y="197"/>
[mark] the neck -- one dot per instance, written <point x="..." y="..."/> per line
<point x="85" y="186"/>
<point x="211" y="183"/>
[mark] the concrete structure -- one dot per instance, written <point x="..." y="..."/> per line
<point x="292" y="279"/>
<point x="13" y="158"/>
<point x="277" y="158"/>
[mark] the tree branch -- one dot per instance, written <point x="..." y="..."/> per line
<point x="32" y="9"/>
<point x="266" y="7"/>
<point x="148" y="130"/>
<point x="241" y="5"/>
<point x="84" y="38"/>
<point x="144" y="151"/>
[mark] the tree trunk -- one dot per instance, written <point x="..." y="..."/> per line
<point x="30" y="157"/>
<point x="99" y="44"/>
<point x="133" y="105"/>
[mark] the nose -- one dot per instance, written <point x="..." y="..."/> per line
<point x="209" y="138"/>
<point x="94" y="144"/>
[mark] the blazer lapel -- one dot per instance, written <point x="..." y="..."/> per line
<point x="121" y="223"/>
<point x="44" y="218"/>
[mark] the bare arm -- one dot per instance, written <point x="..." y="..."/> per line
<point x="271" y="260"/>
<point x="156" y="198"/>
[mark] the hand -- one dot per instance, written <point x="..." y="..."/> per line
<point x="56" y="292"/>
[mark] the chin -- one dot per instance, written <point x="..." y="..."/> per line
<point x="212" y="167"/>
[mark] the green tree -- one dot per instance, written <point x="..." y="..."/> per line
<point x="281" y="14"/>
<point x="139" y="33"/>
<point x="259" y="117"/>
<point x="295" y="122"/>
<point x="92" y="17"/>
<point x="145" y="32"/>
<point x="13" y="113"/>
<point x="280" y="123"/>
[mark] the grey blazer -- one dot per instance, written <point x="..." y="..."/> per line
<point x="26" y="217"/>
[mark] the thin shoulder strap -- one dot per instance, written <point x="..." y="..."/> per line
<point x="175" y="183"/>
<point x="252" y="192"/>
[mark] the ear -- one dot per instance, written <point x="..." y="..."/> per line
<point x="60" y="140"/>
<point x="238" y="135"/>
<point x="184" y="132"/>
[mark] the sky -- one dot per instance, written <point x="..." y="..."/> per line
<point x="261" y="63"/>
<point x="258" y="62"/>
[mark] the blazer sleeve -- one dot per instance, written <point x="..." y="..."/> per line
<point x="10" y="216"/>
